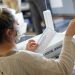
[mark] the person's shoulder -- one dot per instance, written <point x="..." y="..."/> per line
<point x="26" y="53"/>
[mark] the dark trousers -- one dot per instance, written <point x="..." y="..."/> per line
<point x="37" y="7"/>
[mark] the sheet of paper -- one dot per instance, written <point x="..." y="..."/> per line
<point x="45" y="40"/>
<point x="56" y="3"/>
<point x="48" y="33"/>
<point x="48" y="19"/>
<point x="22" y="25"/>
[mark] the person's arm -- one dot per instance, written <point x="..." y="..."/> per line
<point x="65" y="63"/>
<point x="43" y="66"/>
<point x="66" y="59"/>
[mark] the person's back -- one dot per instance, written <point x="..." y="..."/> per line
<point x="29" y="63"/>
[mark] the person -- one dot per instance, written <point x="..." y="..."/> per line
<point x="36" y="8"/>
<point x="14" y="4"/>
<point x="27" y="62"/>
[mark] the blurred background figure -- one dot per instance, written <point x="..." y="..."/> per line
<point x="37" y="7"/>
<point x="14" y="4"/>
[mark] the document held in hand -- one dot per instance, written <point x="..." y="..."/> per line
<point x="45" y="39"/>
<point x="48" y="33"/>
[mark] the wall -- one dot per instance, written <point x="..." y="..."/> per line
<point x="68" y="8"/>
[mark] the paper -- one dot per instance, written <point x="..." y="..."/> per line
<point x="48" y="33"/>
<point x="45" y="39"/>
<point x="19" y="17"/>
<point x="48" y="19"/>
<point x="22" y="25"/>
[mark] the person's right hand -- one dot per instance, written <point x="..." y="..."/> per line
<point x="31" y="45"/>
<point x="71" y="28"/>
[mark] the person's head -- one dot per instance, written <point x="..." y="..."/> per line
<point x="7" y="27"/>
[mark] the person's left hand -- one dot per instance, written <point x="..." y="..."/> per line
<point x="71" y="28"/>
<point x="31" y="45"/>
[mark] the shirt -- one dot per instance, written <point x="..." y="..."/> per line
<point x="30" y="63"/>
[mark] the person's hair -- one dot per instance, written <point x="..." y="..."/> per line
<point x="6" y="22"/>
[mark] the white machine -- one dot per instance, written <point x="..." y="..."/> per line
<point x="50" y="42"/>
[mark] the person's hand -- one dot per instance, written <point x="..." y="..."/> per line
<point x="31" y="45"/>
<point x="71" y="28"/>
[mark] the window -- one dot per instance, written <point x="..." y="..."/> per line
<point x="56" y="3"/>
<point x="62" y="12"/>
